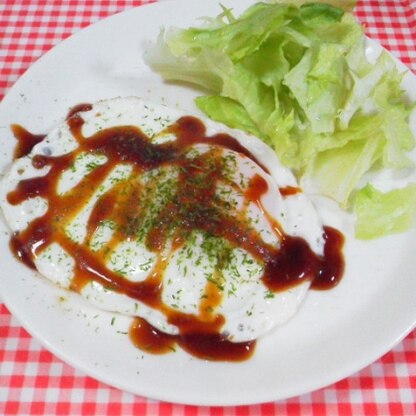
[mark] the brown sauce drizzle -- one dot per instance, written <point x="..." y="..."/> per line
<point x="289" y="190"/>
<point x="26" y="141"/>
<point x="193" y="207"/>
<point x="208" y="346"/>
<point x="78" y="108"/>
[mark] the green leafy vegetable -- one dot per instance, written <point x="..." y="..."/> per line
<point x="295" y="75"/>
<point x="380" y="213"/>
<point x="229" y="112"/>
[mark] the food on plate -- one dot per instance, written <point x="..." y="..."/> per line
<point x="298" y="78"/>
<point x="192" y="228"/>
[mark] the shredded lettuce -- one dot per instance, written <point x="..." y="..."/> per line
<point x="381" y="213"/>
<point x="295" y="75"/>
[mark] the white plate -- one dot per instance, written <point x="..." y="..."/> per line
<point x="335" y="334"/>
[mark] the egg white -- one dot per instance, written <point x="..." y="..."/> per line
<point x="249" y="309"/>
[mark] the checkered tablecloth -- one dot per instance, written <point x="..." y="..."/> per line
<point x="33" y="381"/>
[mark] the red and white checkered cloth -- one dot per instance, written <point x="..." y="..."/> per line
<point x="34" y="382"/>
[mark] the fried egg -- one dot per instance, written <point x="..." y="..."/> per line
<point x="139" y="225"/>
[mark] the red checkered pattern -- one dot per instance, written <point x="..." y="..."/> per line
<point x="393" y="24"/>
<point x="34" y="382"/>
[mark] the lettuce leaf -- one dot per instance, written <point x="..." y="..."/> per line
<point x="337" y="173"/>
<point x="294" y="73"/>
<point x="229" y="112"/>
<point x="379" y="213"/>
